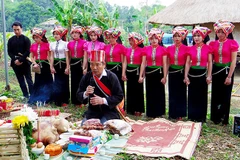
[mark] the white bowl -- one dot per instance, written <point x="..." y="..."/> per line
<point x="61" y="142"/>
<point x="65" y="136"/>
<point x="38" y="150"/>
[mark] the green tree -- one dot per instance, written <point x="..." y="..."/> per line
<point x="28" y="13"/>
<point x="10" y="8"/>
<point x="43" y="4"/>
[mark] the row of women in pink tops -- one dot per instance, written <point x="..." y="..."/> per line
<point x="194" y="66"/>
<point x="64" y="57"/>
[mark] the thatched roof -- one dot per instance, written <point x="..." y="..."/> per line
<point x="189" y="12"/>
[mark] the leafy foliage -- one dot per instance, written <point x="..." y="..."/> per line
<point x="81" y="12"/>
<point x="96" y="13"/>
<point x="27" y="131"/>
<point x="28" y="12"/>
<point x="65" y="13"/>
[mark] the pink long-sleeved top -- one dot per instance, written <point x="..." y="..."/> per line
<point x="154" y="56"/>
<point x="113" y="53"/>
<point x="90" y="46"/>
<point x="199" y="55"/>
<point x="134" y="56"/>
<point x="76" y="48"/>
<point x="222" y="51"/>
<point x="177" y="55"/>
<point x="40" y="51"/>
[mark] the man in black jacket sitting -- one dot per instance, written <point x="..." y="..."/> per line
<point x="102" y="89"/>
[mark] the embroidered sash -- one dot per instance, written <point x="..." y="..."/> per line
<point x="107" y="92"/>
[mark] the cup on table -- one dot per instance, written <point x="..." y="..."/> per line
<point x="46" y="156"/>
<point x="116" y="136"/>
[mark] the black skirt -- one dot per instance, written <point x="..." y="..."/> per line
<point x="61" y="92"/>
<point x="135" y="98"/>
<point x="221" y="95"/>
<point x="155" y="93"/>
<point x="76" y="76"/>
<point x="197" y="95"/>
<point x="177" y="93"/>
<point x="42" y="87"/>
<point x="117" y="69"/>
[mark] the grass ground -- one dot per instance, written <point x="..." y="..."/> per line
<point x="216" y="142"/>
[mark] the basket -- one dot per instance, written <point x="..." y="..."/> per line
<point x="12" y="144"/>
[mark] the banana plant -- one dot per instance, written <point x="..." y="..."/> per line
<point x="87" y="11"/>
<point x="84" y="13"/>
<point x="107" y="19"/>
<point x="90" y="14"/>
<point x="65" y="14"/>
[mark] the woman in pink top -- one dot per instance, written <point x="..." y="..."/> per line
<point x="131" y="65"/>
<point x="177" y="89"/>
<point x="225" y="56"/>
<point x="155" y="58"/>
<point x="95" y="42"/>
<point x="198" y="67"/>
<point x="75" y="48"/>
<point x="114" y="53"/>
<point x="42" y="87"/>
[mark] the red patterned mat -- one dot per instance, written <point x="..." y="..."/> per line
<point x="163" y="138"/>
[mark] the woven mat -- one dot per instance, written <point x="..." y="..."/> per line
<point x="163" y="138"/>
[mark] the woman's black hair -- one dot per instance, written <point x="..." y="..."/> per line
<point x="100" y="39"/>
<point x="81" y="36"/>
<point x="44" y="39"/>
<point x="230" y="36"/>
<point x="64" y="38"/>
<point x="160" y="43"/>
<point x="141" y="45"/>
<point x="185" y="42"/>
<point x="206" y="39"/>
<point x="119" y="41"/>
